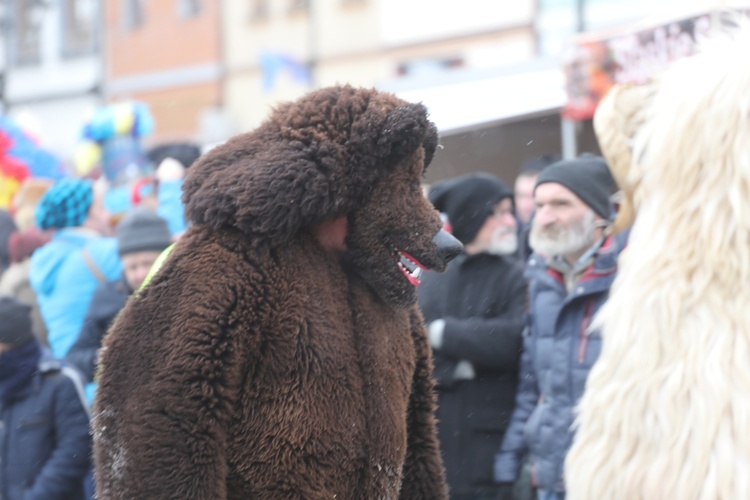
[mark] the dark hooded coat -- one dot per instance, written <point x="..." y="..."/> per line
<point x="482" y="299"/>
<point x="259" y="363"/>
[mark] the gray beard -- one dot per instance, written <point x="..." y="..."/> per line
<point x="564" y="241"/>
<point x="503" y="244"/>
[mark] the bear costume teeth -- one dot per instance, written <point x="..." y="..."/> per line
<point x="408" y="265"/>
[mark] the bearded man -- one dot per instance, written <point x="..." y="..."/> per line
<point x="474" y="312"/>
<point x="570" y="274"/>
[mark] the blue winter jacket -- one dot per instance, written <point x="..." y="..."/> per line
<point x="64" y="283"/>
<point x="171" y="207"/>
<point x="557" y="357"/>
<point x="44" y="438"/>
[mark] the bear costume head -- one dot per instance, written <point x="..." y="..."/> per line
<point x="340" y="154"/>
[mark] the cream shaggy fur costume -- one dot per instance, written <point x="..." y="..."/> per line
<point x="666" y="413"/>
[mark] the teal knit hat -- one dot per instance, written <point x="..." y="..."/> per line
<point x="66" y="204"/>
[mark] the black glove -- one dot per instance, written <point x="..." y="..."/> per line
<point x="505" y="491"/>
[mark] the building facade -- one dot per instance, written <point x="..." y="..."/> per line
<point x="489" y="71"/>
<point x="278" y="50"/>
<point x="168" y="54"/>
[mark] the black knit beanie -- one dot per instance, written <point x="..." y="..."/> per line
<point x="588" y="177"/>
<point x="468" y="201"/>
<point x="15" y="322"/>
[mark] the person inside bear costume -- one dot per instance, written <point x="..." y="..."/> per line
<point x="279" y="351"/>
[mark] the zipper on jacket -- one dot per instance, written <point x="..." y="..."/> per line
<point x="583" y="339"/>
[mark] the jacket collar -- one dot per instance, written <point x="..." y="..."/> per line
<point x="604" y="264"/>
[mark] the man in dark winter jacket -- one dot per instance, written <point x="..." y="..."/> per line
<point x="474" y="313"/>
<point x="570" y="275"/>
<point x="44" y="439"/>
<point x="141" y="237"/>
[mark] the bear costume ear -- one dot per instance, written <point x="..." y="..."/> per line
<point x="403" y="131"/>
<point x="430" y="144"/>
<point x="313" y="161"/>
<point x="270" y="194"/>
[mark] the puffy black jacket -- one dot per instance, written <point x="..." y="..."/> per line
<point x="45" y="445"/>
<point x="482" y="299"/>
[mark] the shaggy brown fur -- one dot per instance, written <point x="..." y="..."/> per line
<point x="261" y="362"/>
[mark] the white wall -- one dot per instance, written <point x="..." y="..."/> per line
<point x="415" y="21"/>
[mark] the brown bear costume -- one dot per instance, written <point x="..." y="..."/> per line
<point x="279" y="352"/>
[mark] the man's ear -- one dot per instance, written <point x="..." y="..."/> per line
<point x="332" y="234"/>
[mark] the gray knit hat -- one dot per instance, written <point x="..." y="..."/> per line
<point x="15" y="322"/>
<point x="142" y="230"/>
<point x="588" y="176"/>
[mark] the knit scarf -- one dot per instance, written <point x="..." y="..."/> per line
<point x="17" y="367"/>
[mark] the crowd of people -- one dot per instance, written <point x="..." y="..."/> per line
<point x="508" y="322"/>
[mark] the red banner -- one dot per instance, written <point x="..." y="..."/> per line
<point x="593" y="66"/>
